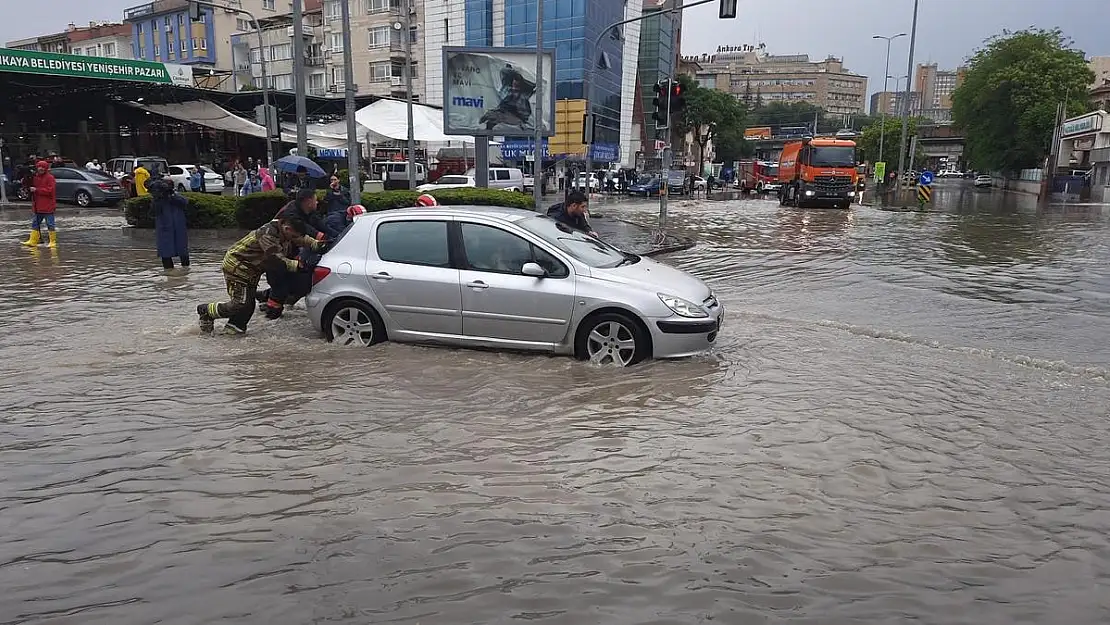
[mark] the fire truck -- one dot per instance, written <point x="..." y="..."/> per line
<point x="760" y="175"/>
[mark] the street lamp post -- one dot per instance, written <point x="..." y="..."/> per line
<point x="886" y="72"/>
<point x="349" y="90"/>
<point x="537" y="150"/>
<point x="906" y="102"/>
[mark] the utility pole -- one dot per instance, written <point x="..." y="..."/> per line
<point x="299" y="77"/>
<point x="194" y="15"/>
<point x="906" y="108"/>
<point x="409" y="8"/>
<point x="350" y="88"/>
<point x="537" y="152"/>
<point x="886" y="83"/>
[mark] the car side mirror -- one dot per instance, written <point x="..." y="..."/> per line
<point x="534" y="270"/>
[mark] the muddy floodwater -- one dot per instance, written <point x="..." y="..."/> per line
<point x="906" y="419"/>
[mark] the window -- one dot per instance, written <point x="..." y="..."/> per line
<point x="140" y="29"/>
<point x="379" y="37"/>
<point x="242" y="25"/>
<point x="316" y="84"/>
<point x="380" y="71"/>
<point x="66" y="174"/>
<point x="110" y="50"/>
<point x="200" y="43"/>
<point x="77" y="51"/>
<point x="168" y="22"/>
<point x="335" y="42"/>
<point x="282" y="82"/>
<point x="397" y="69"/>
<point x="502" y="174"/>
<point x="281" y="52"/>
<point x="492" y="249"/>
<point x="332" y="10"/>
<point x="338" y="79"/>
<point x="256" y="56"/>
<point x="380" y="6"/>
<point x="184" y="46"/>
<point x="269" y="4"/>
<point x="170" y="54"/>
<point x="157" y="50"/>
<point x="180" y="19"/>
<point x="414" y="243"/>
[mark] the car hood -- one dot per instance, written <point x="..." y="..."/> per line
<point x="648" y="273"/>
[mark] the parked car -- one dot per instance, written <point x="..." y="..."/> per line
<point x="122" y="166"/>
<point x="594" y="182"/>
<point x="213" y="182"/>
<point x="505" y="278"/>
<point x="449" y="181"/>
<point x="982" y="181"/>
<point x="646" y="186"/>
<point x="86" y="188"/>
<point x="529" y="183"/>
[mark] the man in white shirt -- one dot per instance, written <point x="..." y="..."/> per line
<point x="93" y="165"/>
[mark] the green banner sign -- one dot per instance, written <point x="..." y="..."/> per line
<point x="880" y="171"/>
<point x="75" y="66"/>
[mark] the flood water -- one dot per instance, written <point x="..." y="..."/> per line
<point x="905" y="419"/>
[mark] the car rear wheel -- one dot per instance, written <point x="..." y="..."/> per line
<point x="180" y="188"/>
<point x="612" y="339"/>
<point x="83" y="198"/>
<point x="352" y="322"/>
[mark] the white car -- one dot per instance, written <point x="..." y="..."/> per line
<point x="213" y="182"/>
<point x="450" y="181"/>
<point x="595" y="184"/>
<point x="984" y="181"/>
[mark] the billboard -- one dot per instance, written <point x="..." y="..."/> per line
<point x="756" y="134"/>
<point x="492" y="92"/>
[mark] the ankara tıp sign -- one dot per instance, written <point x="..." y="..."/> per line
<point x="77" y="66"/>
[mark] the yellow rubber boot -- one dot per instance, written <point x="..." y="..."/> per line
<point x="53" y="239"/>
<point x="34" y="239"/>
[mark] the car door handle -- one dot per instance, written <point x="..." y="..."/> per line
<point x="477" y="284"/>
<point x="382" y="276"/>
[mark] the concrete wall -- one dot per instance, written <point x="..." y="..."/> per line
<point x="1017" y="186"/>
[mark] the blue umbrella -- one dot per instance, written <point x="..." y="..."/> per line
<point x="291" y="163"/>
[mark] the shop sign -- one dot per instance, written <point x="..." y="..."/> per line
<point x="76" y="66"/>
<point x="1080" y="125"/>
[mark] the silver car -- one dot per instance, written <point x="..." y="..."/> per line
<point x="505" y="278"/>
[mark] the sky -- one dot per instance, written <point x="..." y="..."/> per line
<point x="948" y="30"/>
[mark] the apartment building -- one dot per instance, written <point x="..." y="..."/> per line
<point x="277" y="34"/>
<point x="891" y="102"/>
<point x="104" y="40"/>
<point x="378" y="46"/>
<point x="936" y="87"/>
<point x="1100" y="65"/>
<point x="748" y="72"/>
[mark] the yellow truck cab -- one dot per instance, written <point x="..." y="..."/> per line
<point x="818" y="171"/>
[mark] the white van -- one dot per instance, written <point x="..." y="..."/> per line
<point x="395" y="174"/>
<point x="504" y="178"/>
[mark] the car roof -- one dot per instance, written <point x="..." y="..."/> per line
<point x="497" y="212"/>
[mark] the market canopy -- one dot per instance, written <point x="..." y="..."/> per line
<point x="389" y="118"/>
<point x="211" y="115"/>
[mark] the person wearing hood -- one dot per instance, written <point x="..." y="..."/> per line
<point x="268" y="183"/>
<point x="44" y="201"/>
<point x="170" y="228"/>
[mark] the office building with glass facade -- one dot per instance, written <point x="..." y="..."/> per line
<point x="569" y="28"/>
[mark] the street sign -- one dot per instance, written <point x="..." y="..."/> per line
<point x="926" y="178"/>
<point x="880" y="171"/>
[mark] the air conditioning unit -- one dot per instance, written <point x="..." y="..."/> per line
<point x="396" y="81"/>
<point x="288" y="31"/>
<point x="169" y="29"/>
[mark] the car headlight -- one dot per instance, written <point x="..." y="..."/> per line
<point x="809" y="193"/>
<point x="681" y="307"/>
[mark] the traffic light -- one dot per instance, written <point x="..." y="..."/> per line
<point x="659" y="104"/>
<point x="678" y="98"/>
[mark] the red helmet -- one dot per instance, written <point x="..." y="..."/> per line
<point x="426" y="200"/>
<point x="357" y="209"/>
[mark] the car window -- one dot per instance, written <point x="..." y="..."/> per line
<point x="502" y="174"/>
<point x="65" y="174"/>
<point x="414" y="243"/>
<point x="98" y="175"/>
<point x="453" y="180"/>
<point x="176" y="171"/>
<point x="492" y="249"/>
<point x="553" y="266"/>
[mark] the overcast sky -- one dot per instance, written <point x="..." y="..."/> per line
<point x="948" y="30"/>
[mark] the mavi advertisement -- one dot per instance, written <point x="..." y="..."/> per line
<point x="492" y="92"/>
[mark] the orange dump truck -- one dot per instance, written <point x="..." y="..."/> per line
<point x="818" y="171"/>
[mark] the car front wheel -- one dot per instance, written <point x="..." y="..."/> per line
<point x="352" y="322"/>
<point x="612" y="339"/>
<point x="83" y="198"/>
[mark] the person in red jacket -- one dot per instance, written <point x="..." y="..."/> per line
<point x="43" y="202"/>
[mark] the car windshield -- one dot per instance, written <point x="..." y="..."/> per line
<point x="583" y="247"/>
<point x="453" y="180"/>
<point x="830" y="156"/>
<point x="645" y="179"/>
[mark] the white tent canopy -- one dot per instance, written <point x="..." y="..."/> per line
<point x="205" y="113"/>
<point x="389" y="119"/>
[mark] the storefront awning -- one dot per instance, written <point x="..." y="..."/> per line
<point x="211" y="115"/>
<point x="389" y="118"/>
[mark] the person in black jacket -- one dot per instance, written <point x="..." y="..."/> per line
<point x="573" y="212"/>
<point x="283" y="281"/>
<point x="336" y="202"/>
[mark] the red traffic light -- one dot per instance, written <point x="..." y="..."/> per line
<point x="676" y="90"/>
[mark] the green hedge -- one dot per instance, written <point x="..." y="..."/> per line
<point x="218" y="211"/>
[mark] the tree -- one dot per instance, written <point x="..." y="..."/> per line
<point x="868" y="142"/>
<point x="1007" y="102"/>
<point x="708" y="112"/>
<point x="730" y="145"/>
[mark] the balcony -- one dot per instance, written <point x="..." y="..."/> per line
<point x="318" y="91"/>
<point x="314" y="61"/>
